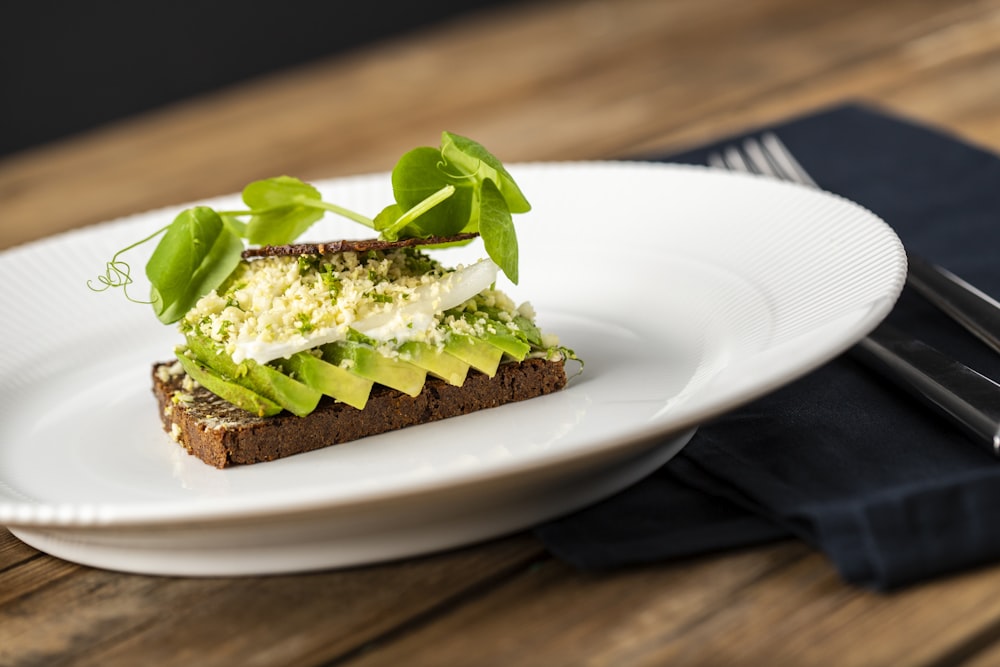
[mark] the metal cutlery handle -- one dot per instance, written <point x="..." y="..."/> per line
<point x="975" y="311"/>
<point x="970" y="399"/>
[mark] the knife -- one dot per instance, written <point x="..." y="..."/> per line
<point x="974" y="310"/>
<point x="969" y="398"/>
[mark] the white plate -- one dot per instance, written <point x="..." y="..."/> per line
<point x="687" y="292"/>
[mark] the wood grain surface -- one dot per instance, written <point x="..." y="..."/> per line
<point x="552" y="80"/>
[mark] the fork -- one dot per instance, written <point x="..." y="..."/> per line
<point x="969" y="399"/>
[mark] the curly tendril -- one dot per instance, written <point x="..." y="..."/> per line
<point x="118" y="273"/>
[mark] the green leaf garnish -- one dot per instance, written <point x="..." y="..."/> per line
<point x="391" y="221"/>
<point x="280" y="209"/>
<point x="473" y="158"/>
<point x="196" y="254"/>
<point x="283" y="208"/>
<point x="497" y="229"/>
<point x="484" y="197"/>
<point x="459" y="187"/>
<point x="417" y="177"/>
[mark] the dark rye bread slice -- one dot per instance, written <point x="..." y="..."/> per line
<point x="222" y="435"/>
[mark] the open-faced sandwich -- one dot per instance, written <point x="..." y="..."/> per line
<point x="293" y="347"/>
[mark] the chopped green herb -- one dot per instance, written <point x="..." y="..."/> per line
<point x="305" y="323"/>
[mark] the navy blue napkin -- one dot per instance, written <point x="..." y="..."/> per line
<point x="887" y="489"/>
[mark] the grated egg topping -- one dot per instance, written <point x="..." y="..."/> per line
<point x="276" y="306"/>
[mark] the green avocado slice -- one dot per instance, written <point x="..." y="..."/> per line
<point x="332" y="380"/>
<point x="296" y="397"/>
<point x="236" y="394"/>
<point x="496" y="333"/>
<point x="479" y="354"/>
<point x="510" y="345"/>
<point x="363" y="360"/>
<point x="437" y="362"/>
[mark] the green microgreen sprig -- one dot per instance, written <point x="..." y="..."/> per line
<point x="458" y="187"/>
<point x="118" y="273"/>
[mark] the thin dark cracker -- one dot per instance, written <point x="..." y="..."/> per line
<point x="359" y="245"/>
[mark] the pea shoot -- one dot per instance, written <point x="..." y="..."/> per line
<point x="459" y="187"/>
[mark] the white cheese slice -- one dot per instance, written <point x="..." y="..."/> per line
<point x="408" y="322"/>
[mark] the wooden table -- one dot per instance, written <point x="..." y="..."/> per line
<point x="533" y="81"/>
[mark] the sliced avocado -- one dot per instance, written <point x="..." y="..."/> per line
<point x="366" y="362"/>
<point x="517" y="349"/>
<point x="477" y="353"/>
<point x="236" y="394"/>
<point x="437" y="362"/>
<point x="296" y="397"/>
<point x="500" y="336"/>
<point x="332" y="380"/>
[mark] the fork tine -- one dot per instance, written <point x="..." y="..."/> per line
<point x="761" y="162"/>
<point x="768" y="156"/>
<point x="715" y="160"/>
<point x="731" y="159"/>
<point x="783" y="157"/>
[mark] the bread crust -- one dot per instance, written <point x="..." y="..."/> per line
<point x="222" y="435"/>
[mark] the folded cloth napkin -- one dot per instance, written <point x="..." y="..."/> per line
<point x="888" y="490"/>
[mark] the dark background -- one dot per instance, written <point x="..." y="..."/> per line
<point x="73" y="65"/>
